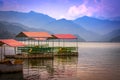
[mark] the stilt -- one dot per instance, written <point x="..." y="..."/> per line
<point x="1" y="53"/>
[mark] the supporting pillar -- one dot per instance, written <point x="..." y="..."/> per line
<point x="63" y="43"/>
<point x="4" y="50"/>
<point x="77" y="44"/>
<point x="58" y="42"/>
<point x="52" y="47"/>
<point x="15" y="50"/>
<point x="1" y="53"/>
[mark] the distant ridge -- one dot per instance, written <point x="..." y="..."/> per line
<point x="68" y="26"/>
<point x="115" y="39"/>
<point x="31" y="19"/>
<point x="98" y="25"/>
<point x="112" y="36"/>
<point x="88" y="28"/>
<point x="9" y="30"/>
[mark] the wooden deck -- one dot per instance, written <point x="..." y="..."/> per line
<point x="66" y="54"/>
<point x="31" y="56"/>
<point x="41" y="56"/>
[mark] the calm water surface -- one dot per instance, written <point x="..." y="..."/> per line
<point x="96" y="61"/>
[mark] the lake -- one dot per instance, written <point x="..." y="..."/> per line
<point x="96" y="61"/>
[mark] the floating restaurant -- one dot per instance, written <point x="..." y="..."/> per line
<point x="37" y="45"/>
<point x="42" y="45"/>
<point x="64" y="49"/>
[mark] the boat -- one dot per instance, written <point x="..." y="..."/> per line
<point x="8" y="66"/>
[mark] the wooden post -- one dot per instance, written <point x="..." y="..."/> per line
<point x="31" y="41"/>
<point x="38" y="42"/>
<point x="34" y="41"/>
<point x="58" y="42"/>
<point x="1" y="53"/>
<point x="63" y="43"/>
<point x="4" y="50"/>
<point x="15" y="50"/>
<point x="28" y="41"/>
<point x="24" y="40"/>
<point x="28" y="64"/>
<point x="77" y="44"/>
<point x="47" y="46"/>
<point x="53" y="48"/>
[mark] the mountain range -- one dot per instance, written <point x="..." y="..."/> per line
<point x="88" y="28"/>
<point x="112" y="36"/>
<point x="9" y="30"/>
<point x="101" y="26"/>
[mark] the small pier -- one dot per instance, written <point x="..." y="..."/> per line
<point x="66" y="54"/>
<point x="30" y="56"/>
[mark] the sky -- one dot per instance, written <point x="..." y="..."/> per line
<point x="69" y="9"/>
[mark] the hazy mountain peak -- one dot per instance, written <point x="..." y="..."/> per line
<point x="32" y="12"/>
<point x="64" y="20"/>
<point x="87" y="18"/>
<point x="36" y="13"/>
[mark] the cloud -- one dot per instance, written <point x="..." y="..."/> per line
<point x="78" y="11"/>
<point x="94" y="8"/>
<point x="85" y="9"/>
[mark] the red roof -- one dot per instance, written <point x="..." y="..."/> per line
<point x="65" y="36"/>
<point x="34" y="34"/>
<point x="11" y="42"/>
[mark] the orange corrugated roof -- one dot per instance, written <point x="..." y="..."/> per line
<point x="65" y="36"/>
<point x="34" y="34"/>
<point x="11" y="42"/>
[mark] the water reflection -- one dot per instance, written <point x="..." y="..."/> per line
<point x="93" y="63"/>
<point x="65" y="67"/>
<point x="38" y="68"/>
<point x="44" y="69"/>
<point x="99" y="63"/>
<point x="12" y="76"/>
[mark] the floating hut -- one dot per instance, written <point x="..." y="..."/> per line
<point x="66" y="48"/>
<point x="7" y="66"/>
<point x="33" y="38"/>
<point x="37" y="44"/>
<point x="44" y="45"/>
